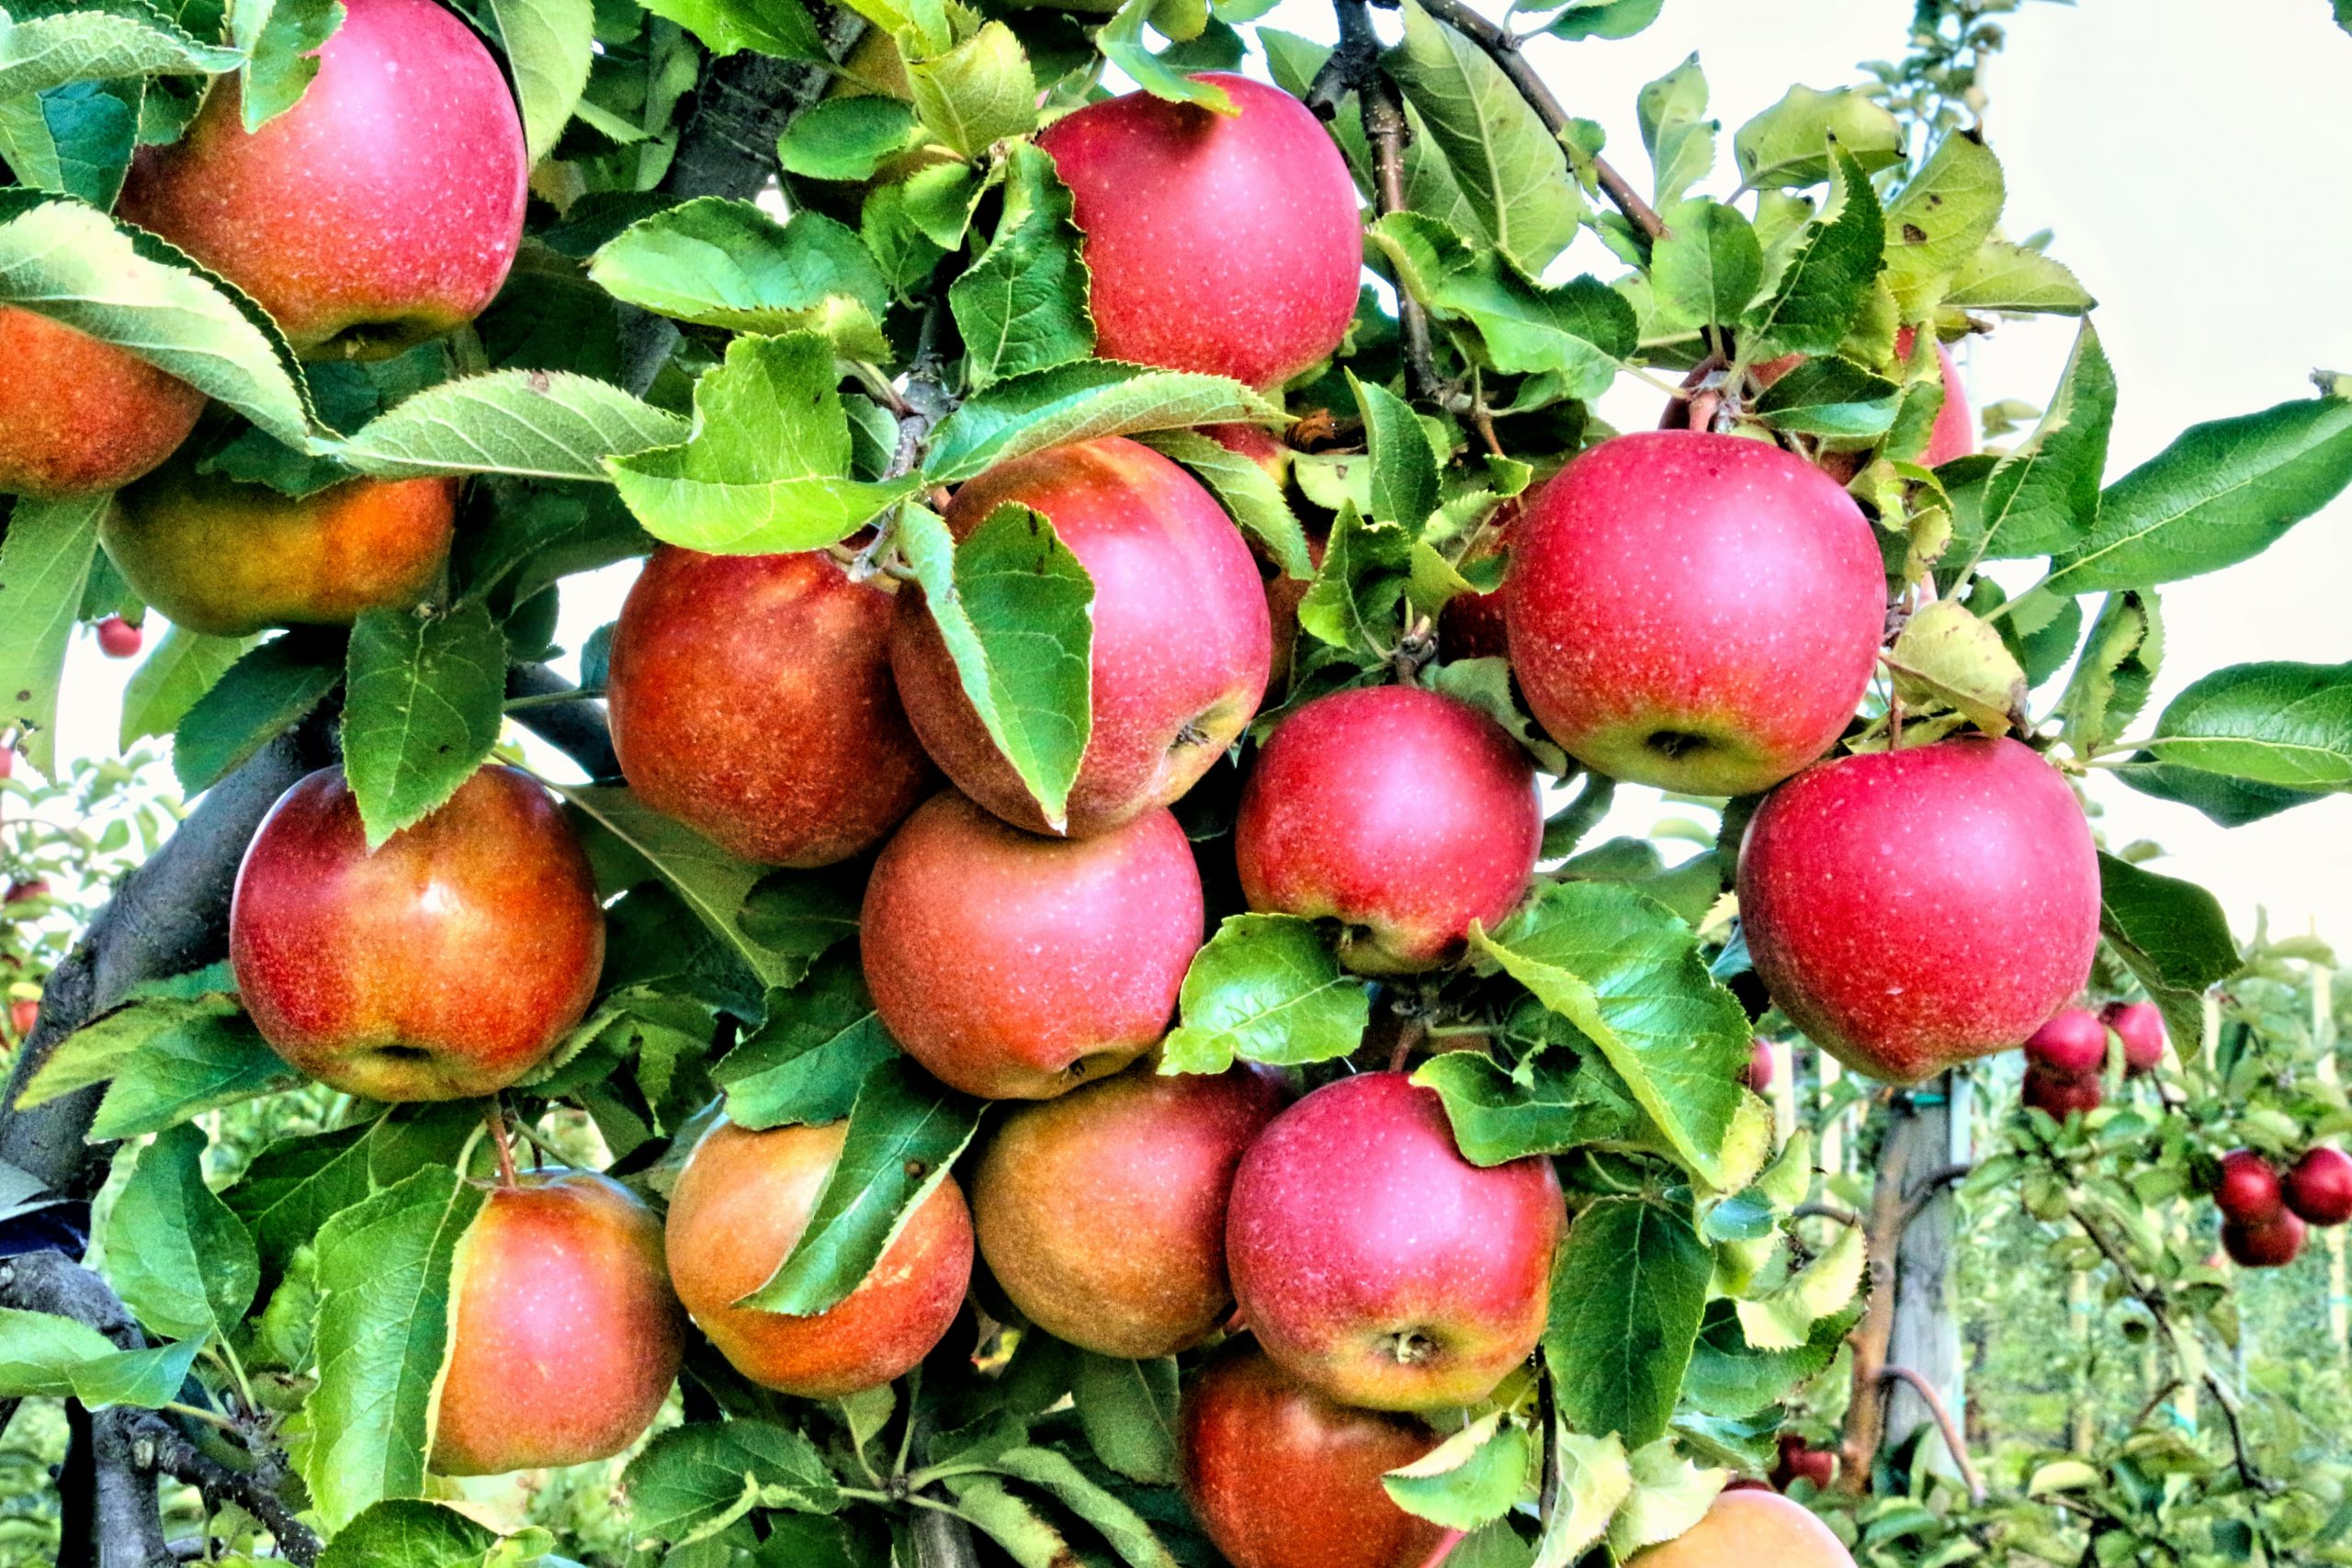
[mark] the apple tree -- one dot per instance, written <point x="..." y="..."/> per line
<point x="1046" y="993"/>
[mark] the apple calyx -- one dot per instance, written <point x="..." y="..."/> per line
<point x="1410" y="1346"/>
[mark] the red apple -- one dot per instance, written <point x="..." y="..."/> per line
<point x="118" y="638"/>
<point x="2060" y="1093"/>
<point x="1750" y="1529"/>
<point x="24" y="892"/>
<point x="1473" y="626"/>
<point x="24" y="1016"/>
<point x="1402" y="814"/>
<point x="1954" y="433"/>
<point x="1759" y="1067"/>
<point x="1017" y="967"/>
<point x="2319" y="1187"/>
<point x="2072" y="1044"/>
<point x="382" y="210"/>
<point x="564" y="1336"/>
<point x="742" y="1202"/>
<point x="447" y="965"/>
<point x="1137" y="1270"/>
<point x="1910" y="910"/>
<point x="1182" y="642"/>
<point x="2140" y="1027"/>
<point x="1801" y="1460"/>
<point x="1258" y="443"/>
<point x="750" y="698"/>
<point x="1377" y="1265"/>
<point x="2249" y="1191"/>
<point x="1281" y="1477"/>
<point x="1697" y="611"/>
<point x="2263" y="1244"/>
<point x="78" y="416"/>
<point x="229" y="560"/>
<point x="1224" y="243"/>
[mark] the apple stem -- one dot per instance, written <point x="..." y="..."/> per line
<point x="496" y="1120"/>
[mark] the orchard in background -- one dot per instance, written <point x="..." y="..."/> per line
<point x="1059" y="916"/>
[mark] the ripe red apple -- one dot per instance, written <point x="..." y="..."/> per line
<point x="1137" y="1270"/>
<point x="1258" y="443"/>
<point x="2059" y="1093"/>
<point x="2249" y="1191"/>
<point x="1692" y="611"/>
<point x="1910" y="910"/>
<point x="1377" y="1265"/>
<point x="24" y="1015"/>
<point x="1224" y="244"/>
<point x="118" y="638"/>
<point x="1402" y="814"/>
<point x="1017" y="967"/>
<point x="750" y="698"/>
<point x="1281" y="1477"/>
<point x="1473" y="626"/>
<point x="742" y="1202"/>
<point x="1182" y="642"/>
<point x="229" y="560"/>
<point x="565" y="1336"/>
<point x="1801" y="1460"/>
<point x="382" y="210"/>
<point x="2263" y="1244"/>
<point x="77" y="415"/>
<point x="1954" y="433"/>
<point x="1759" y="1065"/>
<point x="2319" y="1187"/>
<point x="1750" y="1529"/>
<point x="2072" y="1044"/>
<point x="24" y="892"/>
<point x="2140" y="1027"/>
<point x="447" y="965"/>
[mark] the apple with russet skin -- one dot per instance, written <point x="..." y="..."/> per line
<point x="565" y="1335"/>
<point x="1181" y="648"/>
<point x="1697" y="612"/>
<point x="382" y="210"/>
<point x="1911" y="910"/>
<point x="2059" y="1093"/>
<point x="750" y="698"/>
<point x="1231" y="245"/>
<point x="118" y="638"/>
<point x="740" y="1205"/>
<point x="2263" y="1244"/>
<point x="2249" y="1190"/>
<point x="1017" y="967"/>
<point x="1750" y="1529"/>
<point x="1378" y="1265"/>
<point x="1137" y="1271"/>
<point x="77" y="415"/>
<point x="215" y="556"/>
<point x="2140" y="1027"/>
<point x="2318" y="1188"/>
<point x="1281" y="1477"/>
<point x="444" y="965"/>
<point x="2071" y="1043"/>
<point x="1402" y="814"/>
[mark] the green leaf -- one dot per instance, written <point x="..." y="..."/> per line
<point x="2220" y="494"/>
<point x="2289" y="725"/>
<point x="1127" y="1410"/>
<point x="75" y="139"/>
<point x="163" y="1059"/>
<point x="1628" y="1287"/>
<point x="1828" y="274"/>
<point x="1946" y="658"/>
<point x="2171" y="934"/>
<point x="1007" y="1519"/>
<point x="1669" y="1496"/>
<point x="1592" y="1479"/>
<point x="1728" y="1377"/>
<point x="848" y="138"/>
<point x="1545" y="1108"/>
<point x="1784" y="1319"/>
<point x="2232" y="803"/>
<point x="693" y="1482"/>
<point x="1404" y="470"/>
<point x="1247" y="491"/>
<point x="1015" y="609"/>
<point x="1790" y="144"/>
<point x="44" y="51"/>
<point x="1680" y="140"/>
<point x="44" y="1356"/>
<point x="1122" y="42"/>
<point x="1084" y="402"/>
<point x="425" y="701"/>
<point x="549" y="46"/>
<point x="805" y="1063"/>
<point x="717" y="263"/>
<point x="765" y="470"/>
<point x="1624" y="970"/>
<point x="1265" y="988"/>
<point x="1579" y="331"/>
<point x="167" y="683"/>
<point x="402" y="1533"/>
<point x="295" y="1185"/>
<point x="183" y="1263"/>
<point x="264" y="693"/>
<point x="780" y="27"/>
<point x="1829" y="396"/>
<point x="2042" y="497"/>
<point x="1475" y="1477"/>
<point x="1113" y="1520"/>
<point x="544" y="424"/>
<point x="2114" y="677"/>
<point x="383" y="1328"/>
<point x="1942" y="215"/>
<point x="45" y="560"/>
<point x="1022" y="305"/>
<point x="904" y="1132"/>
<point x="2006" y="277"/>
<point x="978" y="93"/>
<point x="281" y="40"/>
<point x="1603" y="18"/>
<point x="1706" y="270"/>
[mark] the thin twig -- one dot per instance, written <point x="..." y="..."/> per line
<point x="1944" y="1424"/>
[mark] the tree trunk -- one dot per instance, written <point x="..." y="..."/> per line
<point x="1929" y="1136"/>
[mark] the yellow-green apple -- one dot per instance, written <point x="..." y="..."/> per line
<point x="1137" y="1270"/>
<point x="2250" y="1192"/>
<point x="564" y="1334"/>
<point x="444" y="965"/>
<point x="118" y="638"/>
<point x="1224" y="244"/>
<point x="382" y="210"/>
<point x="2140" y="1027"/>
<point x="229" y="560"/>
<point x="1281" y="1477"/>
<point x="1693" y="611"/>
<point x="752" y="699"/>
<point x="1017" y="967"/>
<point x="2318" y="1188"/>
<point x="1910" y="910"/>
<point x="2265" y="1244"/>
<point x="742" y="1202"/>
<point x="1750" y="1529"/>
<point x="1378" y="1265"/>
<point x="1402" y="814"/>
<point x="77" y="415"/>
<point x="1182" y="645"/>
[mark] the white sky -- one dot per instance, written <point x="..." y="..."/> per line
<point x="2193" y="174"/>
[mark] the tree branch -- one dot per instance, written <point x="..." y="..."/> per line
<point x="1944" y="1424"/>
<point x="577" y="728"/>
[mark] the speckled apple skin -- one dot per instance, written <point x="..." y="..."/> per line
<point x="444" y="966"/>
<point x="2071" y="1043"/>
<point x="78" y="416"/>
<point x="383" y="209"/>
<point x="1751" y="1529"/>
<point x="230" y="559"/>
<point x="1355" y="1223"/>
<point x="1401" y="813"/>
<point x="1225" y="243"/>
<point x="1137" y="1270"/>
<point x="742" y="1202"/>
<point x="750" y="698"/>
<point x="1182" y="645"/>
<point x="1914" y="909"/>
<point x="1281" y="1477"/>
<point x="1693" y="611"/>
<point x="566" y="1334"/>
<point x="1017" y="967"/>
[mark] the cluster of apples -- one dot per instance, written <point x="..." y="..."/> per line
<point x="2264" y="1216"/>
<point x="2067" y="1055"/>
